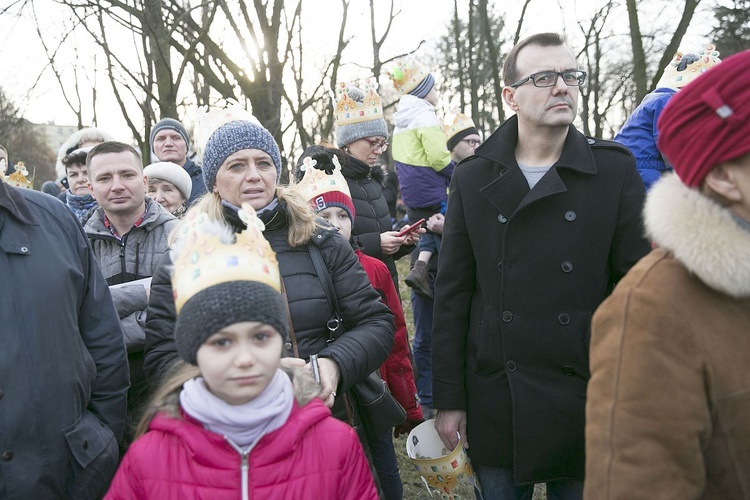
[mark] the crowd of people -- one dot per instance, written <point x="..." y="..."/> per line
<point x="191" y="327"/>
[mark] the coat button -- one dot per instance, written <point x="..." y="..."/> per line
<point x="566" y="267"/>
<point x="507" y="316"/>
<point x="570" y="216"/>
<point x="288" y="346"/>
<point x="85" y="444"/>
<point x="25" y="249"/>
<point x="568" y="371"/>
<point x="564" y="319"/>
<point x="7" y="456"/>
<point x="503" y="172"/>
<point x="500" y="266"/>
<point x="510" y="366"/>
<point x="503" y="219"/>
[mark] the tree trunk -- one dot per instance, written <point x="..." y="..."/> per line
<point x="639" y="56"/>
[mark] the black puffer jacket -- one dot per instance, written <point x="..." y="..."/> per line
<point x="372" y="215"/>
<point x="368" y="322"/>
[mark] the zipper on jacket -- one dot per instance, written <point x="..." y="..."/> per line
<point x="123" y="264"/>
<point x="244" y="465"/>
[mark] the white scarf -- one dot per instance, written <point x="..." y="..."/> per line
<point x="243" y="424"/>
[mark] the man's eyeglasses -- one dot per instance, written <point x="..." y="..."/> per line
<point x="376" y="144"/>
<point x="472" y="142"/>
<point x="572" y="78"/>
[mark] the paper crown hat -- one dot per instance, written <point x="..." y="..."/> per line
<point x="357" y="104"/>
<point x="406" y="74"/>
<point x="19" y="178"/>
<point x="324" y="185"/>
<point x="457" y="123"/>
<point x="440" y="468"/>
<point x="206" y="259"/>
<point x="684" y="68"/>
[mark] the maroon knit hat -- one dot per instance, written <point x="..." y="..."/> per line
<point x="708" y="121"/>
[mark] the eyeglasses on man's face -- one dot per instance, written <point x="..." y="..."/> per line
<point x="571" y="77"/>
<point x="472" y="142"/>
<point x="376" y="144"/>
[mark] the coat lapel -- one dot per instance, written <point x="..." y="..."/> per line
<point x="509" y="192"/>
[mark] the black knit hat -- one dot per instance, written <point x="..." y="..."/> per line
<point x="221" y="305"/>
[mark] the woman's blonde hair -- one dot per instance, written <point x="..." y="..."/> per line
<point x="300" y="218"/>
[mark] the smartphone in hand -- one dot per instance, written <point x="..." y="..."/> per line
<point x="410" y="229"/>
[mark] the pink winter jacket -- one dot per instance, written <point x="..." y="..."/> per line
<point x="312" y="456"/>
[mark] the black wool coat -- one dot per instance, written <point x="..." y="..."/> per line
<point x="520" y="274"/>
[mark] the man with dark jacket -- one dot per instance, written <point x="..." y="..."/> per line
<point x="128" y="234"/>
<point x="63" y="372"/>
<point x="169" y="142"/>
<point x="541" y="223"/>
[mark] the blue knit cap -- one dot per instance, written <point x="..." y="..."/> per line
<point x="424" y="87"/>
<point x="232" y="137"/>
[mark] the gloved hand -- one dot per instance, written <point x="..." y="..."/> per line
<point x="406" y="427"/>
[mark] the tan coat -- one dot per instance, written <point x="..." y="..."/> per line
<point x="668" y="411"/>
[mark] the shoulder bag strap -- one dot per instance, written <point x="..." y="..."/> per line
<point x="295" y="349"/>
<point x="335" y="323"/>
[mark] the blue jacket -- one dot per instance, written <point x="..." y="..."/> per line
<point x="196" y="175"/>
<point x="640" y="135"/>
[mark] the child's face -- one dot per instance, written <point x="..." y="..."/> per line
<point x="240" y="360"/>
<point x="339" y="218"/>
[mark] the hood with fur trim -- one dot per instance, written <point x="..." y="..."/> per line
<point x="702" y="235"/>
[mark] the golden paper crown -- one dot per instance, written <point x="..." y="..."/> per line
<point x="707" y="58"/>
<point x="407" y="74"/>
<point x="315" y="183"/>
<point x="357" y="104"/>
<point x="206" y="253"/>
<point x="456" y="123"/>
<point x="207" y="121"/>
<point x="19" y="178"/>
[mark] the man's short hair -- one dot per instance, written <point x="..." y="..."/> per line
<point x="510" y="69"/>
<point x="112" y="147"/>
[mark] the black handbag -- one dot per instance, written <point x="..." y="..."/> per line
<point x="378" y="409"/>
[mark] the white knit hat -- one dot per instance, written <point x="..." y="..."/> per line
<point x="170" y="172"/>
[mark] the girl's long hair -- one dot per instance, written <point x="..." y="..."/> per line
<point x="166" y="398"/>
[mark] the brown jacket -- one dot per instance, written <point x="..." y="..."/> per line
<point x="668" y="411"/>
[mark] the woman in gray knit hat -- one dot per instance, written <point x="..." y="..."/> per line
<point x="362" y="133"/>
<point x="242" y="164"/>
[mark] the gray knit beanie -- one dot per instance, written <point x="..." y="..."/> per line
<point x="218" y="306"/>
<point x="169" y="124"/>
<point x="232" y="137"/>
<point x="347" y="134"/>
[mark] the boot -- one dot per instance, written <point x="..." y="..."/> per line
<point x="418" y="280"/>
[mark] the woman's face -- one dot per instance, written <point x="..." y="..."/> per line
<point x="78" y="179"/>
<point x="338" y="218"/>
<point x="240" y="360"/>
<point x="247" y="176"/>
<point x="165" y="194"/>
<point x="367" y="149"/>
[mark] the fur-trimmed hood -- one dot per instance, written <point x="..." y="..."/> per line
<point x="701" y="234"/>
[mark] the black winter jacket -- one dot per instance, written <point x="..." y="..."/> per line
<point x="372" y="215"/>
<point x="368" y="322"/>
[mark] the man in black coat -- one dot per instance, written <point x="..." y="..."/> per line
<point x="541" y="223"/>
<point x="63" y="370"/>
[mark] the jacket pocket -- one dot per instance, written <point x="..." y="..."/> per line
<point x="94" y="453"/>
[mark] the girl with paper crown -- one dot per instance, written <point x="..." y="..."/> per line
<point x="320" y="181"/>
<point x="238" y="423"/>
<point x="242" y="164"/>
